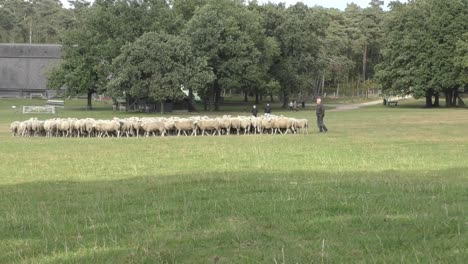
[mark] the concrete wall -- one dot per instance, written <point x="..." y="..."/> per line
<point x="23" y="68"/>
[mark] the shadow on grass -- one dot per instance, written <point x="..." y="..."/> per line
<point x="239" y="217"/>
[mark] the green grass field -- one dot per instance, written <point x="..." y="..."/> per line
<point x="385" y="185"/>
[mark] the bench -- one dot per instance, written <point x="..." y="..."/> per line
<point x="390" y="103"/>
<point x="31" y="109"/>
<point x="56" y="103"/>
<point x="36" y="95"/>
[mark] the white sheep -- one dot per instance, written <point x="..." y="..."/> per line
<point x="14" y="127"/>
<point x="186" y="125"/>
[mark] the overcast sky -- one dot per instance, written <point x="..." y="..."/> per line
<point x="340" y="4"/>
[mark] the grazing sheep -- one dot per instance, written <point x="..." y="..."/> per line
<point x="126" y="127"/>
<point x="152" y="127"/>
<point x="105" y="127"/>
<point x="48" y="127"/>
<point x="78" y="127"/>
<point x="37" y="127"/>
<point x="302" y="125"/>
<point x="131" y="127"/>
<point x="209" y="125"/>
<point x="186" y="125"/>
<point x="65" y="127"/>
<point x="235" y="124"/>
<point x="89" y="126"/>
<point x="14" y="128"/>
<point x="266" y="124"/>
<point x="245" y="124"/>
<point x="282" y="123"/>
<point x="224" y="124"/>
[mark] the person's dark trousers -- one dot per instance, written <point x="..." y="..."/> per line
<point x="320" y="124"/>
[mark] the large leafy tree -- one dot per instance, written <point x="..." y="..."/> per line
<point x="421" y="42"/>
<point x="100" y="32"/>
<point x="156" y="65"/>
<point x="461" y="59"/>
<point x="334" y="60"/>
<point x="259" y="77"/>
<point x="223" y="32"/>
<point x="33" y="21"/>
<point x="300" y="38"/>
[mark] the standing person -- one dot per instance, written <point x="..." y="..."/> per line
<point x="320" y="111"/>
<point x="267" y="110"/>
<point x="254" y="111"/>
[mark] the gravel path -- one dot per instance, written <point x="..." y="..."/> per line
<point x="353" y="106"/>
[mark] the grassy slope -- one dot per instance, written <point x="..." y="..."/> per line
<point x="385" y="185"/>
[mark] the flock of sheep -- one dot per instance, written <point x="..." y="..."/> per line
<point x="136" y="127"/>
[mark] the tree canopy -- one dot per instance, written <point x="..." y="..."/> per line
<point x="294" y="52"/>
<point x="157" y="65"/>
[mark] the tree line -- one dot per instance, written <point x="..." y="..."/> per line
<point x="150" y="48"/>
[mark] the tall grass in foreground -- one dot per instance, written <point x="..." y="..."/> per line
<point x="385" y="185"/>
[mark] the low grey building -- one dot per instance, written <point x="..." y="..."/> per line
<point x="23" y="68"/>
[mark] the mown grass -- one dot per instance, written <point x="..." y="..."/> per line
<point x="385" y="185"/>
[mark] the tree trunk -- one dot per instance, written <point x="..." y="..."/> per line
<point x="448" y="98"/>
<point x="338" y="90"/>
<point x="217" y="96"/>
<point x="89" y="105"/>
<point x="454" y="97"/>
<point x="364" y="62"/>
<point x="271" y="97"/>
<point x="428" y="100"/>
<point x="256" y="99"/>
<point x="323" y="83"/>
<point x="30" y="31"/>
<point x="285" y="100"/>
<point x="162" y="107"/>
<point x="190" y="106"/>
<point x="210" y="103"/>
<point x="246" y="99"/>
<point x="436" y="100"/>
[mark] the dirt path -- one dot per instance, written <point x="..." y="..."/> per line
<point x="353" y="106"/>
